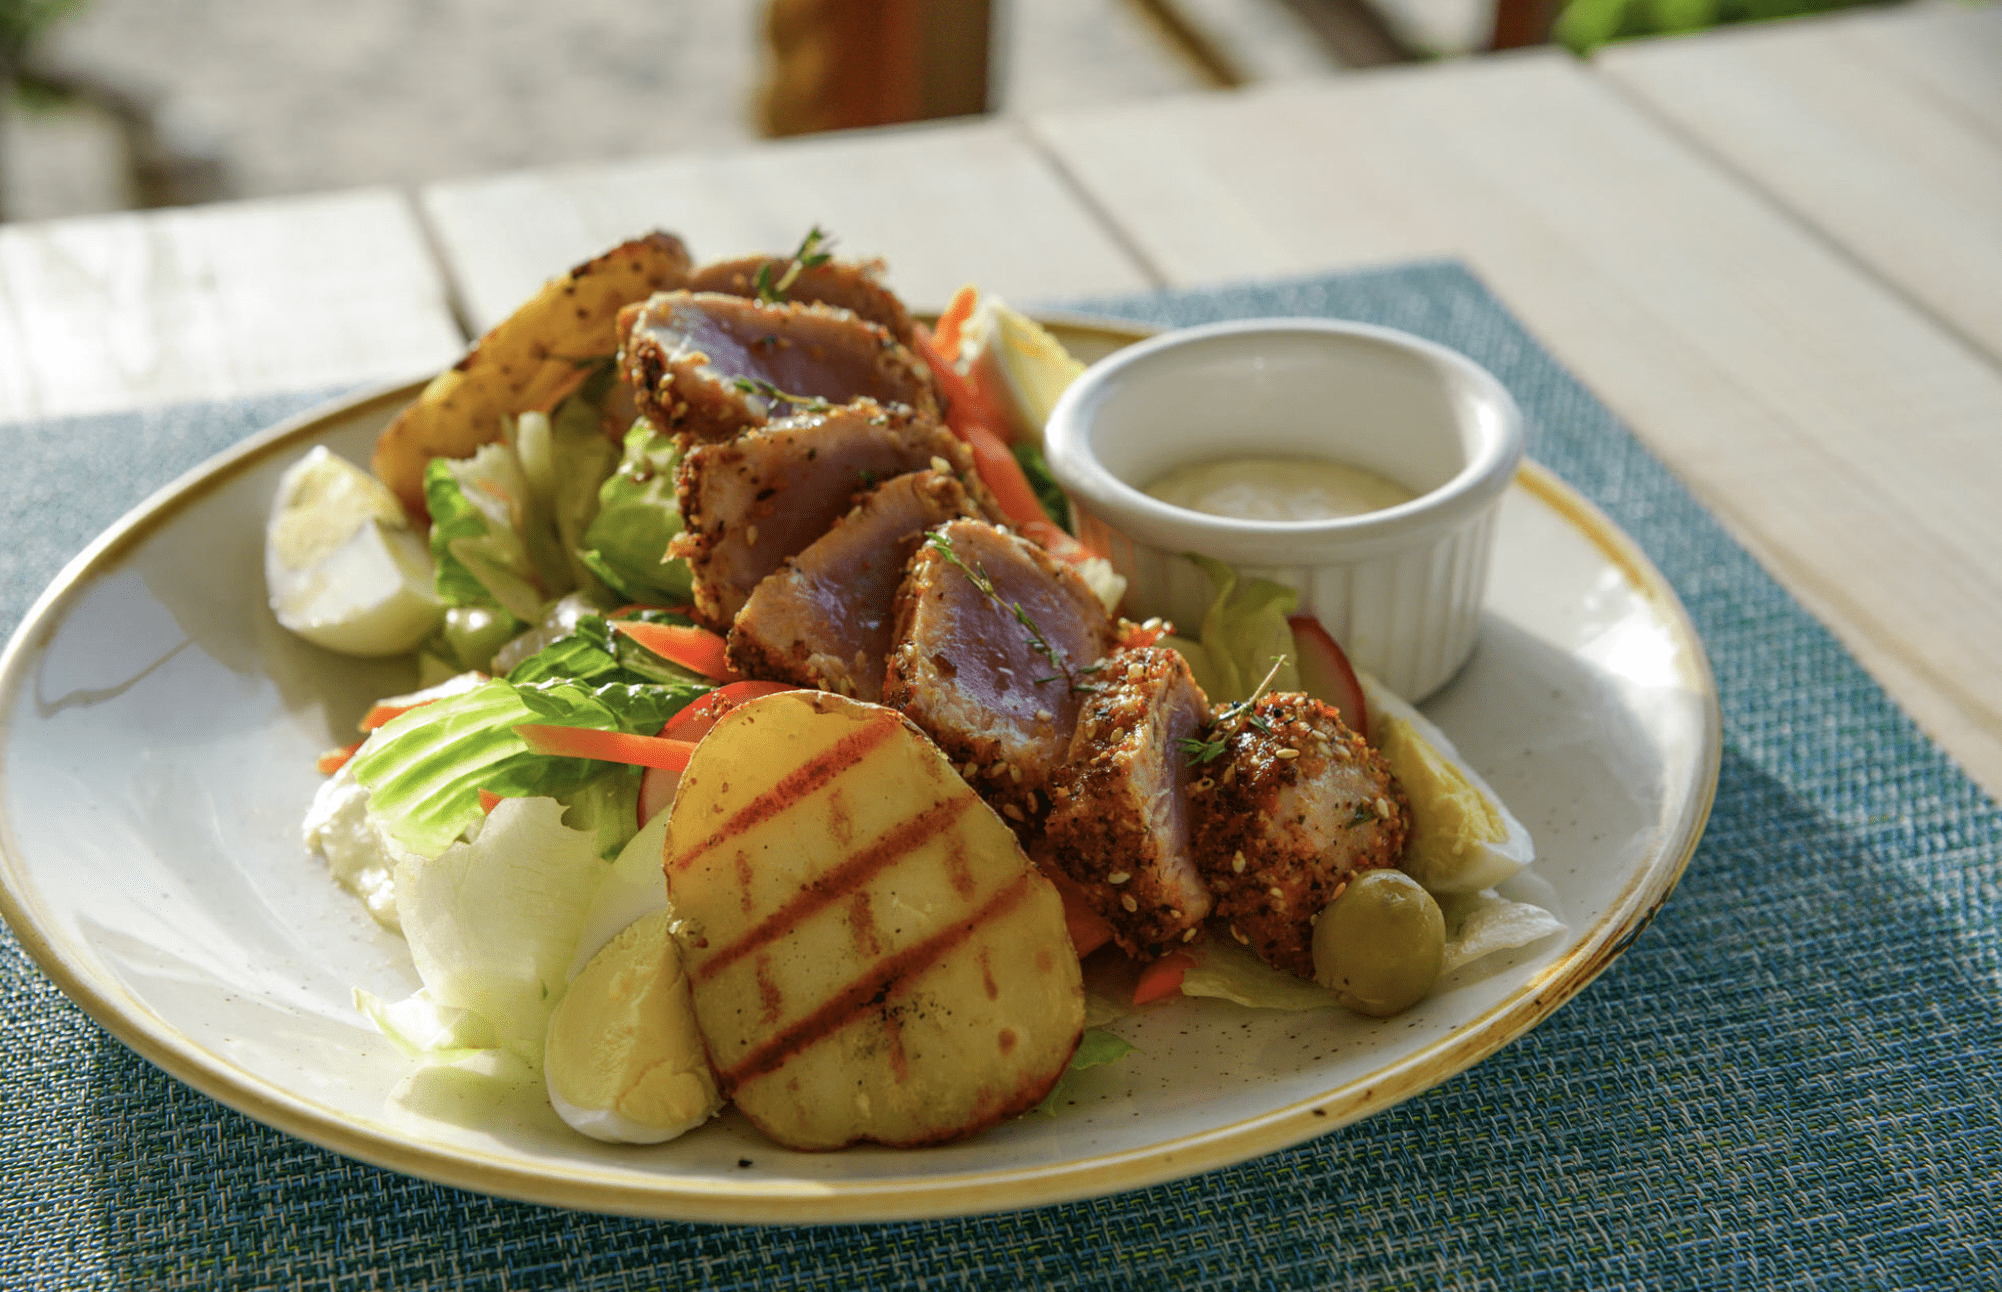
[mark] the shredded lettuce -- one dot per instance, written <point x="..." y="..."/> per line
<point x="1244" y="631"/>
<point x="636" y="516"/>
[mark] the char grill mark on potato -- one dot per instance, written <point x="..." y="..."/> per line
<point x="686" y="354"/>
<point x="847" y="284"/>
<point x="968" y="672"/>
<point x="823" y="619"/>
<point x="870" y="955"/>
<point x="748" y="504"/>
<point x="1283" y="818"/>
<point x="1119" y="820"/>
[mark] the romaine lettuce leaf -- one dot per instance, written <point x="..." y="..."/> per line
<point x="567" y="459"/>
<point x="626" y="542"/>
<point x="424" y="770"/>
<point x="476" y="536"/>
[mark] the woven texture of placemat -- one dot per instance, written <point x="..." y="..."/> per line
<point x="1791" y="1079"/>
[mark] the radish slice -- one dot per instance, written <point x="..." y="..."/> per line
<point x="1325" y="673"/>
<point x="657" y="788"/>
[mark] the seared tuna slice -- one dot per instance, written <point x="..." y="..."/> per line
<point x="823" y="619"/>
<point x="851" y="285"/>
<point x="710" y="365"/>
<point x="748" y="504"/>
<point x="981" y="682"/>
<point x="1289" y="806"/>
<point x="1119" y="811"/>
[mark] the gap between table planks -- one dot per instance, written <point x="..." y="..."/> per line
<point x="942" y="204"/>
<point x="1841" y="434"/>
<point x="122" y="311"/>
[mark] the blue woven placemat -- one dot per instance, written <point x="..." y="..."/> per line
<point x="1790" y="1080"/>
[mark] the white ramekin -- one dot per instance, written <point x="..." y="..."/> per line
<point x="1401" y="588"/>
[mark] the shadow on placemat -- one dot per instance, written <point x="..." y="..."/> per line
<point x="1790" y="1077"/>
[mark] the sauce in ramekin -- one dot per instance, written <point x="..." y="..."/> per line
<point x="1284" y="489"/>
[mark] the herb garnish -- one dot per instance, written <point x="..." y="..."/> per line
<point x="1037" y="642"/>
<point x="1207" y="751"/>
<point x="759" y="386"/>
<point x="808" y="256"/>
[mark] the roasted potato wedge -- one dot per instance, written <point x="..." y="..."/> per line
<point x="529" y="360"/>
<point x="872" y="957"/>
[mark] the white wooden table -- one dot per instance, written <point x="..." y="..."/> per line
<point x="1776" y="252"/>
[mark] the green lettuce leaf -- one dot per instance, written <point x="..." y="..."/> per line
<point x="492" y="923"/>
<point x="1244" y="631"/>
<point x="476" y="538"/>
<point x="1095" y="1048"/>
<point x="626" y="542"/>
<point x="567" y="460"/>
<point x="424" y="770"/>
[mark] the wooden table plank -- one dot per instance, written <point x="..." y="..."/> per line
<point x="1952" y="49"/>
<point x="941" y="204"/>
<point x="122" y="311"/>
<point x="1841" y="434"/>
<point x="1875" y="158"/>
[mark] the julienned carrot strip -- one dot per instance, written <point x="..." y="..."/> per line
<point x="695" y="648"/>
<point x="1163" y="977"/>
<point x="1087" y="927"/>
<point x="966" y="406"/>
<point x="951" y="323"/>
<point x="335" y="759"/>
<point x="606" y="746"/>
<point x="1003" y="477"/>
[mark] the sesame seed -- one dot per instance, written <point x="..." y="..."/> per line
<point x="1128" y="902"/>
<point x="1277" y="892"/>
<point x="1044" y="715"/>
<point x="1230" y="773"/>
<point x="1189" y="934"/>
<point x="1382" y="807"/>
<point x="1119" y="877"/>
<point x="1015" y="775"/>
<point x="997" y="769"/>
<point x="1239" y="936"/>
<point x="750" y="534"/>
<point x="940" y="465"/>
<point x="1288" y="754"/>
<point x="1237" y="861"/>
<point x="1012" y="812"/>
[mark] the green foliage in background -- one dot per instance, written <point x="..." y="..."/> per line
<point x="1584" y="25"/>
<point x="22" y="20"/>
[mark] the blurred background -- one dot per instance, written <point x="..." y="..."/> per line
<point x="114" y="104"/>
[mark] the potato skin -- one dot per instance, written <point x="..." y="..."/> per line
<point x="871" y="956"/>
<point x="526" y="361"/>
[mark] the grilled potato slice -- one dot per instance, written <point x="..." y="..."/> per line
<point x="872" y="957"/>
<point x="529" y="360"/>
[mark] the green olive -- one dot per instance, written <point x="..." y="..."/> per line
<point x="1379" y="945"/>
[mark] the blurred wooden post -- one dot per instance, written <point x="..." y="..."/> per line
<point x="1519" y="23"/>
<point x="840" y="64"/>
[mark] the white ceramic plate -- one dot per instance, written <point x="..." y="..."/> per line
<point x="157" y="738"/>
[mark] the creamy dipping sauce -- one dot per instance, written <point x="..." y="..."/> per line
<point x="1277" y="489"/>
